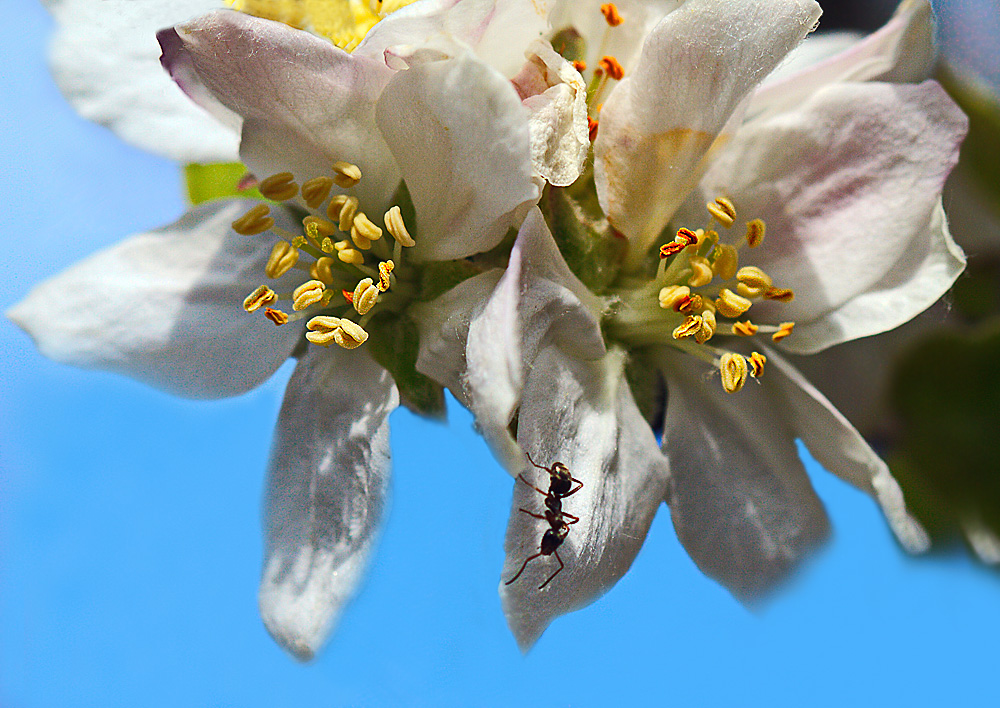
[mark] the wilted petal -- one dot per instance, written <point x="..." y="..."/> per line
<point x="836" y="445"/>
<point x="580" y="413"/>
<point x="657" y="125"/>
<point x="105" y="59"/>
<point x="460" y="136"/>
<point x="901" y="52"/>
<point x="305" y="103"/>
<point x="326" y="489"/>
<point x="166" y="307"/>
<point x="739" y="496"/>
<point x="849" y="186"/>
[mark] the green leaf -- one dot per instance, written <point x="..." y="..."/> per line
<point x="216" y="181"/>
<point x="591" y="248"/>
<point x="393" y="342"/>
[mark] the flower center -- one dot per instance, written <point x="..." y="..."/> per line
<point x="344" y="22"/>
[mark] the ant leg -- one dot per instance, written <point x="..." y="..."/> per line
<point x="535" y="463"/>
<point x="558" y="570"/>
<point x="567" y="515"/>
<point x="531" y="513"/>
<point x="521" y="477"/>
<point x="574" y="491"/>
<point x="523" y="566"/>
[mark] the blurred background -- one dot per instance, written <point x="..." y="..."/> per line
<point x="129" y="520"/>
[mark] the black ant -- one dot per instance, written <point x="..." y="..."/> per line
<point x="560" y="487"/>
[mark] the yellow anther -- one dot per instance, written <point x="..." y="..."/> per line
<point x="384" y="268"/>
<point x="279" y="187"/>
<point x="757" y="361"/>
<point x="395" y="226"/>
<point x="746" y="328"/>
<point x="277" y="316"/>
<point x="672" y="295"/>
<point x="366" y="228"/>
<point x="263" y="295"/>
<point x="337" y="202"/>
<point x="688" y="328"/>
<point x="729" y="304"/>
<point x="723" y="210"/>
<point x="347" y="212"/>
<point x="283" y="257"/>
<point x="309" y="293"/>
<point x="325" y="330"/>
<point x="256" y="221"/>
<point x="726" y="261"/>
<point x="322" y="271"/>
<point x="753" y="282"/>
<point x="611" y="68"/>
<point x="315" y="190"/>
<point x="779" y="294"/>
<point x="342" y="245"/>
<point x="359" y="240"/>
<point x="350" y="255"/>
<point x="755" y="232"/>
<point x="690" y="305"/>
<point x="365" y="296"/>
<point x="784" y="329"/>
<point x="733" y="368"/>
<point x="701" y="272"/>
<point x="346" y="174"/>
<point x="321" y="226"/>
<point x="610" y="13"/>
<point x="708" y="325"/>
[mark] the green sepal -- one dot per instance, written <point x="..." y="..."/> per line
<point x="438" y="277"/>
<point x="393" y="341"/>
<point x="570" y="44"/>
<point x="946" y="394"/>
<point x="648" y="387"/>
<point x="592" y="249"/>
<point x="216" y="181"/>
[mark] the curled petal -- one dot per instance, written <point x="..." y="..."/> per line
<point x="326" y="488"/>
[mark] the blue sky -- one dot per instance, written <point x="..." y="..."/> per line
<point x="129" y="538"/>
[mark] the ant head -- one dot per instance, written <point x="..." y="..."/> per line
<point x="561" y="471"/>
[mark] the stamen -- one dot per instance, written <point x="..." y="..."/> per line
<point x="364" y="227"/>
<point x="325" y="330"/>
<point x="757" y="361"/>
<point x="279" y="187"/>
<point x="592" y="125"/>
<point x="755" y="232"/>
<point x="746" y="328"/>
<point x="263" y="295"/>
<point x="359" y="240"/>
<point x="256" y="221"/>
<point x="671" y="295"/>
<point x="723" y="210"/>
<point x="337" y="202"/>
<point x="365" y="296"/>
<point x="281" y="260"/>
<point x="321" y="270"/>
<point x="726" y="261"/>
<point x="729" y="304"/>
<point x="754" y="282"/>
<point x="315" y="190"/>
<point x="395" y="225"/>
<point x="347" y="212"/>
<point x="309" y="293"/>
<point x="350" y="255"/>
<point x="384" y="269"/>
<point x="779" y="294"/>
<point x="708" y="325"/>
<point x="610" y="13"/>
<point x="690" y="304"/>
<point x="702" y="274"/>
<point x="688" y="328"/>
<point x="579" y="65"/>
<point x="784" y="329"/>
<point x="734" y="372"/>
<point x="322" y="226"/>
<point x="277" y="316"/>
<point x="611" y="68"/>
<point x="346" y="174"/>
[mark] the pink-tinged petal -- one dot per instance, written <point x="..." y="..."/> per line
<point x="326" y="490"/>
<point x="104" y="58"/>
<point x="739" y="496"/>
<point x="849" y="186"/>
<point x="304" y="103"/>
<point x="460" y="136"/>
<point x="839" y="447"/>
<point x="166" y="307"/>
<point x="497" y="31"/>
<point x="580" y="413"/>
<point x="900" y="52"/>
<point x="658" y="124"/>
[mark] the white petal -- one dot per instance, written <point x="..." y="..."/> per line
<point x="739" y="496"/>
<point x="166" y="307"/>
<point x="554" y="92"/>
<point x="460" y="136"/>
<point x="836" y="445"/>
<point x="658" y="123"/>
<point x="581" y="414"/>
<point x="849" y="186"/>
<point x="305" y="103"/>
<point x="326" y="490"/>
<point x="106" y="61"/>
<point x="497" y="31"/>
<point x="901" y="52"/>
